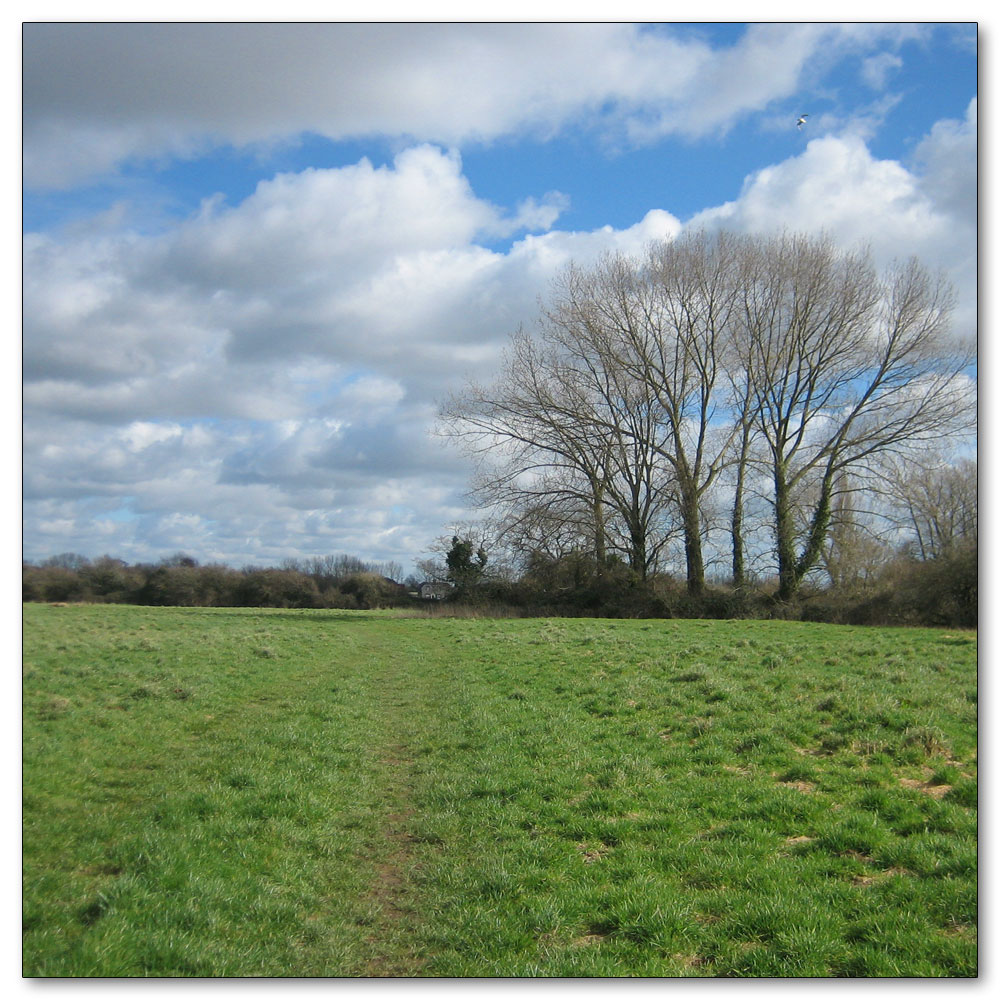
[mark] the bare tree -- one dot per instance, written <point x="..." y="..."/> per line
<point x="858" y="544"/>
<point x="560" y="437"/>
<point x="936" y="502"/>
<point x="622" y="416"/>
<point x="539" y="525"/>
<point x="662" y="323"/>
<point x="517" y="430"/>
<point x="844" y="366"/>
<point x="743" y="443"/>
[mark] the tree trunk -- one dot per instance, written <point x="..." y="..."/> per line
<point x="818" y="529"/>
<point x="784" y="530"/>
<point x="694" y="559"/>
<point x="739" y="548"/>
<point x="600" y="540"/>
<point x="792" y="568"/>
<point x="637" y="555"/>
<point x="739" y="568"/>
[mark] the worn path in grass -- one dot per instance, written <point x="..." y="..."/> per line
<point x="402" y="701"/>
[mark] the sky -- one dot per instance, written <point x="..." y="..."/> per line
<point x="258" y="256"/>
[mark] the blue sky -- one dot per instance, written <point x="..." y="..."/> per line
<point x="258" y="256"/>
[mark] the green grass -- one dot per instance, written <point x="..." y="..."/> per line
<point x="242" y="792"/>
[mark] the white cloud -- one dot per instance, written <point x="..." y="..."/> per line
<point x="545" y="255"/>
<point x="370" y="268"/>
<point x="141" y="434"/>
<point x="875" y="70"/>
<point x="127" y="90"/>
<point x="270" y="369"/>
<point x="533" y="214"/>
<point x="838" y="187"/>
<point x="946" y="165"/>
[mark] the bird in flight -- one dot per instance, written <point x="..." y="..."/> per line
<point x="801" y="121"/>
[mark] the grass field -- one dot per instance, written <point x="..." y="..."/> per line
<point x="243" y="792"/>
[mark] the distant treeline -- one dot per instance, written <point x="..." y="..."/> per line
<point x="906" y="590"/>
<point x="180" y="581"/>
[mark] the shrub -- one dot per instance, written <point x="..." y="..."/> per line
<point x="274" y="588"/>
<point x="371" y="590"/>
<point x="53" y="583"/>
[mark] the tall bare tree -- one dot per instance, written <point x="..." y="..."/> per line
<point x="529" y="448"/>
<point x="560" y="440"/>
<point x="844" y="365"/>
<point x="663" y="322"/>
<point x="936" y="502"/>
<point x="858" y="544"/>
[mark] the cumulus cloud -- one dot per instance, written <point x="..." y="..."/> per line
<point x="947" y="166"/>
<point x="139" y="90"/>
<point x="372" y="268"/>
<point x="837" y="186"/>
<point x="282" y="354"/>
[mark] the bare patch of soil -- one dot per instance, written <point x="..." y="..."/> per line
<point x="800" y="786"/>
<point x="866" y="880"/>
<point x="592" y="853"/>
<point x="968" y="931"/>
<point x="688" y="961"/>
<point x="935" y="791"/>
